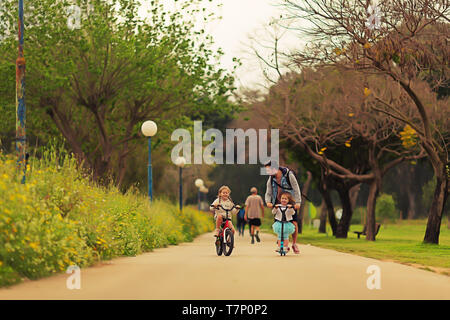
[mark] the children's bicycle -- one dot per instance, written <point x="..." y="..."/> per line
<point x="225" y="240"/>
<point x="283" y="222"/>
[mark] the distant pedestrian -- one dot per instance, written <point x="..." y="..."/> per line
<point x="254" y="211"/>
<point x="241" y="221"/>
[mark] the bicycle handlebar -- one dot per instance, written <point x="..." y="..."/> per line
<point x="220" y="206"/>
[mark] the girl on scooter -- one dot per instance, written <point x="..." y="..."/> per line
<point x="286" y="206"/>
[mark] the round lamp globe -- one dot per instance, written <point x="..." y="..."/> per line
<point x="149" y="128"/>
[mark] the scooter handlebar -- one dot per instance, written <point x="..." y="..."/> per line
<point x="279" y="205"/>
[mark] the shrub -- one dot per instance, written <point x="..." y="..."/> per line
<point x="60" y="218"/>
<point x="385" y="208"/>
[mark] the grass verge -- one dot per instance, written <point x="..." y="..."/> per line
<point x="400" y="242"/>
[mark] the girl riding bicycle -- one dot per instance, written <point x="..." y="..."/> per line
<point x="223" y="198"/>
<point x="286" y="207"/>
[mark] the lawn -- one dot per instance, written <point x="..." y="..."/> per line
<point x="400" y="242"/>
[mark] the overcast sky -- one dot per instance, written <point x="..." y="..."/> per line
<point x="242" y="19"/>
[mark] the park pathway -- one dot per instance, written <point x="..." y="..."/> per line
<point x="194" y="271"/>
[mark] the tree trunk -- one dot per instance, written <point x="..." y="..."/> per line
<point x="371" y="204"/>
<point x="437" y="208"/>
<point x="323" y="217"/>
<point x="412" y="207"/>
<point x="344" y="224"/>
<point x="354" y="192"/>
<point x="304" y="202"/>
<point x="323" y="188"/>
<point x="411" y="204"/>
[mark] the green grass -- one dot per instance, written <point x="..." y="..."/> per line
<point x="400" y="242"/>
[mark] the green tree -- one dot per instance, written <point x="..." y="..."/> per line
<point x="96" y="84"/>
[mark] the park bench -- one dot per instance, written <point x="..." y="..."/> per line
<point x="359" y="233"/>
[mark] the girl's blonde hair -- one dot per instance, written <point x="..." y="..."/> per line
<point x="223" y="188"/>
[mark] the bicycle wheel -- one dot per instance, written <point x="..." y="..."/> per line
<point x="228" y="244"/>
<point x="219" y="248"/>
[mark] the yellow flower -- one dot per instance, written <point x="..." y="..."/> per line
<point x="34" y="245"/>
<point x="348" y="143"/>
<point x="322" y="150"/>
<point x="367" y="45"/>
<point x="408" y="136"/>
<point x="367" y="92"/>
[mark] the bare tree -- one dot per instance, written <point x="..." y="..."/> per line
<point x="321" y="112"/>
<point x="404" y="40"/>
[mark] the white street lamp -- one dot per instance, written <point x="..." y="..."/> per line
<point x="149" y="129"/>
<point x="180" y="162"/>
<point x="198" y="183"/>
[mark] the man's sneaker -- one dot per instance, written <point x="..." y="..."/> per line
<point x="257" y="237"/>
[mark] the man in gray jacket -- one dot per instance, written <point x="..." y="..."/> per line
<point x="281" y="179"/>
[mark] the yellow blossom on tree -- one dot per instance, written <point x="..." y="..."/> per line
<point x="408" y="137"/>
<point x="348" y="143"/>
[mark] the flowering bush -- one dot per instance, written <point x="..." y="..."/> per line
<point x="60" y="218"/>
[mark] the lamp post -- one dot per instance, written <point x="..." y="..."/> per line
<point x="180" y="162"/>
<point x="199" y="184"/>
<point x="20" y="100"/>
<point x="204" y="190"/>
<point x="149" y="129"/>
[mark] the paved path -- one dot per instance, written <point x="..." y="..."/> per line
<point x="194" y="271"/>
